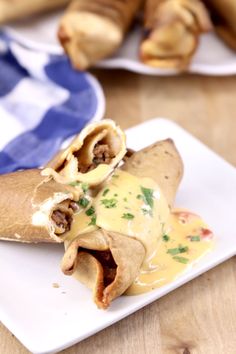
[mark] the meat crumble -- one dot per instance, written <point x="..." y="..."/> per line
<point x="62" y="216"/>
<point x="102" y="154"/>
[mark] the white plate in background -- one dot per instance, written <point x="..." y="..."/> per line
<point x="213" y="57"/>
<point x="47" y="319"/>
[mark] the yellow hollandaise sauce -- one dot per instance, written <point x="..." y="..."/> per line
<point x="133" y="207"/>
<point x="82" y="224"/>
<point x="137" y="208"/>
<point x="185" y="241"/>
<point x="84" y="220"/>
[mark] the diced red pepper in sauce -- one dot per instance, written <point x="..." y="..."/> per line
<point x="206" y="234"/>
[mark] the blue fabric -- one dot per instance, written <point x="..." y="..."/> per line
<point x="40" y="105"/>
<point x="10" y="73"/>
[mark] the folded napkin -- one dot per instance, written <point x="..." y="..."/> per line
<point x="43" y="101"/>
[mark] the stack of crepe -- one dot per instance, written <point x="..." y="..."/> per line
<point x="90" y="31"/>
<point x="46" y="206"/>
<point x="93" y="30"/>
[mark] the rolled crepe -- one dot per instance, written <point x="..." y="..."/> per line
<point x="172" y="29"/>
<point x="91" y="156"/>
<point x="224" y="19"/>
<point x="35" y="208"/>
<point x="107" y="261"/>
<point x="92" y="30"/>
<point x="18" y="9"/>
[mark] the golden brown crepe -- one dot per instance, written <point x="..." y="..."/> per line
<point x="92" y="30"/>
<point x="168" y="170"/>
<point x="172" y="29"/>
<point x="91" y="156"/>
<point x="35" y="208"/>
<point x="107" y="261"/>
<point x="224" y="19"/>
<point x="18" y="9"/>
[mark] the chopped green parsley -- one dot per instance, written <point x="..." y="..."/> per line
<point x="177" y="250"/>
<point x="127" y="216"/>
<point x="74" y="184"/>
<point x="181" y="259"/>
<point x="105" y="192"/>
<point x="90" y="211"/>
<point x="85" y="187"/>
<point x="147" y="196"/>
<point x="109" y="203"/>
<point x="93" y="220"/>
<point x="195" y="238"/>
<point x="183" y="249"/>
<point x="84" y="202"/>
<point x="165" y="238"/>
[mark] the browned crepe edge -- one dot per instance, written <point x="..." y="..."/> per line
<point x="128" y="255"/>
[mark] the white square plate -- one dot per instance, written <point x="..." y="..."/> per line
<point x="47" y="319"/>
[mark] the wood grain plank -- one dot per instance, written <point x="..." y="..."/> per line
<point x="122" y="92"/>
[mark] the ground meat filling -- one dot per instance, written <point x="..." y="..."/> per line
<point x="102" y="154"/>
<point x="61" y="219"/>
<point x="62" y="216"/>
<point x="108" y="264"/>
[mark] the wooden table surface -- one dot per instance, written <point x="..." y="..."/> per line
<point x="199" y="317"/>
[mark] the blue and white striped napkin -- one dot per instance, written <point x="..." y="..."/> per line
<point x="43" y="101"/>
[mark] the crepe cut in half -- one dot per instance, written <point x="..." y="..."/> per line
<point x="108" y="261"/>
<point x="91" y="156"/>
<point x="35" y="208"/>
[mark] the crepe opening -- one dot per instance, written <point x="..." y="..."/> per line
<point x="55" y="214"/>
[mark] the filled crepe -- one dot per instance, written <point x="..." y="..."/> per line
<point x="35" y="208"/>
<point x="18" y="9"/>
<point x="224" y="19"/>
<point x="172" y="29"/>
<point x="126" y="220"/>
<point x="91" y="156"/>
<point x="93" y="30"/>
